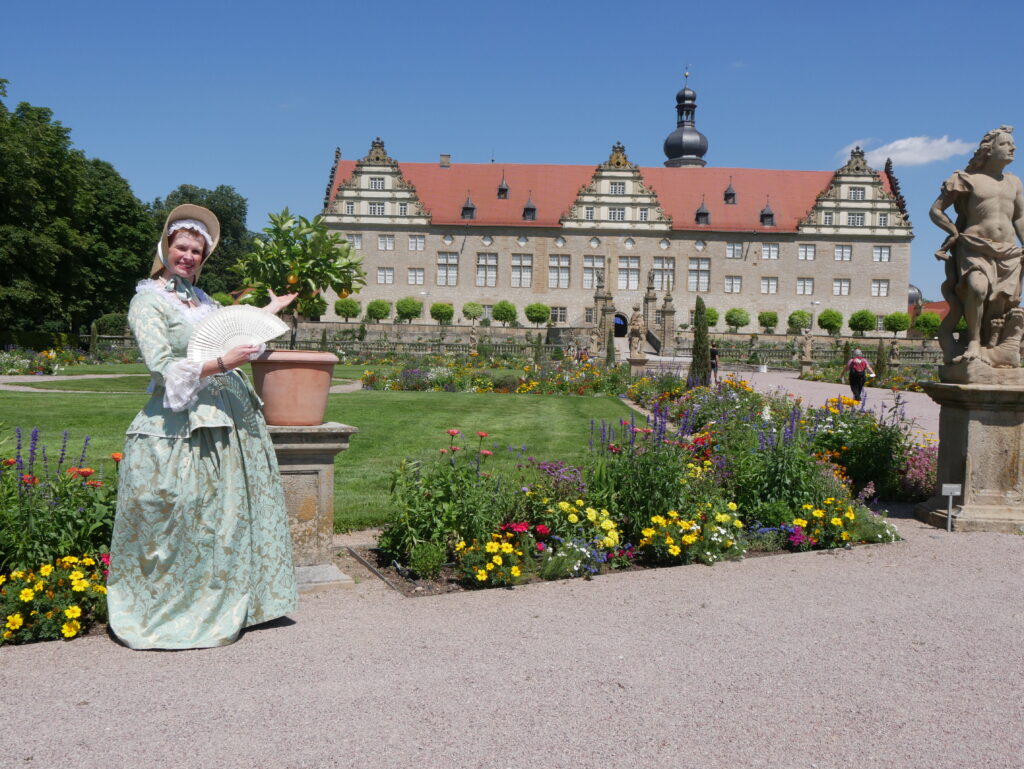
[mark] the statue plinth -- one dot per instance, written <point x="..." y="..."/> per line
<point x="981" y="444"/>
<point x="637" y="365"/>
<point x="305" y="456"/>
<point x="980" y="373"/>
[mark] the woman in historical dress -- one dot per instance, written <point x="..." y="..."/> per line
<point x="201" y="546"/>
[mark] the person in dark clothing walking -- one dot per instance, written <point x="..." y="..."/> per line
<point x="859" y="369"/>
<point x="714" y="363"/>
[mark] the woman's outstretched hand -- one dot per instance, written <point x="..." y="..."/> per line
<point x="278" y="303"/>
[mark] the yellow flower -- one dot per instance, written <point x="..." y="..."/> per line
<point x="461" y="546"/>
<point x="492" y="547"/>
<point x="38" y="587"/>
<point x="830" y="500"/>
<point x="657" y="519"/>
<point x="481" y="575"/>
<point x="647" y="533"/>
<point x="849" y="514"/>
<point x="69" y="560"/>
<point x="836" y="521"/>
<point x="17" y="574"/>
<point x="580" y="502"/>
<point x="2" y="579"/>
<point x="732" y="506"/>
<point x="515" y="571"/>
<point x="689" y="539"/>
<point x="79" y="585"/>
<point x="88" y="562"/>
<point x="8" y="635"/>
<point x="76" y="575"/>
<point x="723" y="518"/>
<point x="673" y="514"/>
<point x="807" y="507"/>
<point x="674" y="550"/>
<point x="564" y="506"/>
<point x="573" y="518"/>
<point x="70" y="629"/>
<point x="801" y="522"/>
<point x="591" y="514"/>
<point x="818" y="513"/>
<point x="669" y="540"/>
<point x="506" y="547"/>
<point x="46" y="570"/>
<point x="738" y="523"/>
<point x="607" y="524"/>
<point x="728" y="543"/>
<point x="497" y="560"/>
<point x="845" y="535"/>
<point x="27" y="594"/>
<point x="490" y="566"/>
<point x="100" y="588"/>
<point x="73" y="612"/>
<point x="14" y="621"/>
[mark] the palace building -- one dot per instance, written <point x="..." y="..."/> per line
<point x="750" y="238"/>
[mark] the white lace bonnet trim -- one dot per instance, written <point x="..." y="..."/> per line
<point x="191" y="314"/>
<point x="191" y="224"/>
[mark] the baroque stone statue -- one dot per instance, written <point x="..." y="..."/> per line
<point x="637" y="333"/>
<point x="982" y="256"/>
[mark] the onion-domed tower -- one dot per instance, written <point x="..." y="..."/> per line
<point x="685" y="146"/>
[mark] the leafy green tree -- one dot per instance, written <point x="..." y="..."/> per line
<point x="927" y="324"/>
<point x="881" y="361"/>
<point x="347" y="308"/>
<point x="378" y="309"/>
<point x="830" y="321"/>
<point x="223" y="299"/>
<point x="798" y="320"/>
<point x="472" y="312"/>
<point x="442" y="312"/>
<point x="408" y="308"/>
<point x="609" y="349"/>
<point x="700" y="364"/>
<point x="537" y="313"/>
<point x="896" y="322"/>
<point x="712" y="316"/>
<point x="861" y="321"/>
<point x="768" y="321"/>
<point x="737" y="318"/>
<point x="231" y="210"/>
<point x="505" y="312"/>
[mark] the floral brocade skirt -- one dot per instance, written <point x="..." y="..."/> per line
<point x="201" y="546"/>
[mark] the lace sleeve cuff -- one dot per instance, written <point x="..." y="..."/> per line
<point x="182" y="384"/>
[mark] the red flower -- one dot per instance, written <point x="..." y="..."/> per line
<point x="453" y="432"/>
<point x="481" y="435"/>
<point x="613" y="448"/>
<point x="444" y="451"/>
<point x="542" y="529"/>
<point x="540" y="545"/>
<point x="106" y="559"/>
<point x="456" y="448"/>
<point x="9" y="462"/>
<point x="94" y="484"/>
<point x="117" y="456"/>
<point x="85" y="472"/>
<point x="486" y="453"/>
<point x="29" y="480"/>
<point x="72" y="471"/>
<point x="520" y="528"/>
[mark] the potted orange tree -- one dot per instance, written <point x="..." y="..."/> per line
<point x="301" y="256"/>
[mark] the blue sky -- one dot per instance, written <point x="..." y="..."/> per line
<point x="257" y="95"/>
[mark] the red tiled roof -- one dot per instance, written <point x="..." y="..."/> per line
<point x="443" y="191"/>
<point x="939" y="308"/>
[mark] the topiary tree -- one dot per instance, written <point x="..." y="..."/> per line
<point x="347" y="308"/>
<point x="797" y="321"/>
<point x="700" y="362"/>
<point x="861" y="321"/>
<point x="768" y="321"/>
<point x="408" y="308"/>
<point x="472" y="312"/>
<point x="442" y="312"/>
<point x="377" y="310"/>
<point x="112" y="324"/>
<point x="609" y="349"/>
<point x="505" y="312"/>
<point x="736" y="319"/>
<point x="927" y="324"/>
<point x="881" y="360"/>
<point x="537" y="313"/>
<point x="896" y="322"/>
<point x="711" y="314"/>
<point x="830" y="321"/>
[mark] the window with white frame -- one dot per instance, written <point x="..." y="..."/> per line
<point x="733" y="284"/>
<point x="416" y="275"/>
<point x="664" y="273"/>
<point x="769" y="250"/>
<point x="386" y="275"/>
<point x="629" y="273"/>
<point x="559" y="314"/>
<point x="522" y="270"/>
<point x="616" y="214"/>
<point x="733" y="250"/>
<point x="403" y="209"/>
<point x="881" y="254"/>
<point x="375" y="209"/>
<point x="698" y="274"/>
<point x="591" y="264"/>
<point x="558" y="271"/>
<point x="827" y="218"/>
<point x="356" y="241"/>
<point x="879" y="288"/>
<point x="350" y="207"/>
<point x="617" y="188"/>
<point x="376" y="182"/>
<point x="447" y="268"/>
<point x="644" y="214"/>
<point x="844" y="253"/>
<point x="805" y="286"/>
<point x="385" y="242"/>
<point x="883" y="220"/>
<point x="588" y="213"/>
<point x="488" y="312"/>
<point x="487" y="270"/>
<point x="879" y="323"/>
<point x="769" y="285"/>
<point x="855" y="220"/>
<point x="417" y="242"/>
<point x="840" y="287"/>
<point x="588" y="315"/>
<point x="858" y="193"/>
<point x="805" y="252"/>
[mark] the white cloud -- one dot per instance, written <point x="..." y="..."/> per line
<point x="844" y="152"/>
<point x="917" y="151"/>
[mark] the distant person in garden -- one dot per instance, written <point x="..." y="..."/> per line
<point x="859" y="370"/>
<point x="714" y="363"/>
<point x="201" y="547"/>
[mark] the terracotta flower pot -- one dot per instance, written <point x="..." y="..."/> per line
<point x="294" y="385"/>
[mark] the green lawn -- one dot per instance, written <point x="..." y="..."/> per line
<point x="104" y="368"/>
<point x="392" y="425"/>
<point x="121" y="384"/>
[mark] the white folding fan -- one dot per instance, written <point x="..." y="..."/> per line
<point x="231" y="326"/>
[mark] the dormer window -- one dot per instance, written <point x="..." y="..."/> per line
<point x="730" y="195"/>
<point x="703" y="215"/>
<point x="503" y="189"/>
<point x="530" y="210"/>
<point x="468" y="209"/>
<point x="767" y="216"/>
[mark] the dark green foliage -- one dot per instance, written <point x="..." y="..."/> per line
<point x="537" y="313"/>
<point x="896" y="322"/>
<point x="927" y="324"/>
<point x="112" y="324"/>
<point x="881" y="360"/>
<point x="442" y="312"/>
<point x="407" y="309"/>
<point x="504" y="312"/>
<point x="768" y="321"/>
<point x="700" y="366"/>
<point x="861" y="321"/>
<point x="347" y="308"/>
<point x="830" y="321"/>
<point x="737" y="318"/>
<point x="223" y="299"/>
<point x="712" y="316"/>
<point x="426" y="560"/>
<point x="847" y="351"/>
<point x="361" y="334"/>
<point x="378" y="309"/>
<point x="472" y="311"/>
<point x="609" y="351"/>
<point x="798" y="320"/>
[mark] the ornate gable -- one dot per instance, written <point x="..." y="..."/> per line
<point x="375" y="186"/>
<point x="617" y="197"/>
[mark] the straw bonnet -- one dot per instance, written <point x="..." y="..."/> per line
<point x="188" y="211"/>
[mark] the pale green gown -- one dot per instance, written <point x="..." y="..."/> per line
<point x="201" y="546"/>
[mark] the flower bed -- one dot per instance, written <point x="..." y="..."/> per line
<point x="18" y="361"/>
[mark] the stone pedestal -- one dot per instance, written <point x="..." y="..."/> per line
<point x="806" y="366"/>
<point x="306" y="458"/>
<point x="981" y="447"/>
<point x="637" y="365"/>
